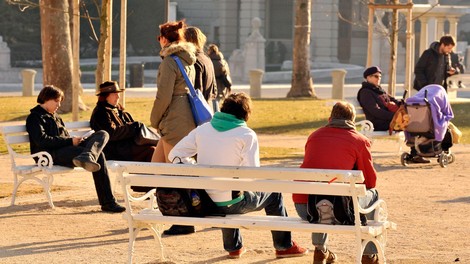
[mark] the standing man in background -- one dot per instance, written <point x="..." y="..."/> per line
<point x="433" y="66"/>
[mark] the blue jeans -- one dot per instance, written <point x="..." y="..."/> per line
<point x="320" y="240"/>
<point x="272" y="203"/>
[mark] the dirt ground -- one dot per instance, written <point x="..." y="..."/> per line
<point x="430" y="204"/>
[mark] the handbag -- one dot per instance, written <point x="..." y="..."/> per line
<point x="145" y="136"/>
<point x="201" y="110"/>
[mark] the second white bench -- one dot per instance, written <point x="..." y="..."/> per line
<point x="264" y="179"/>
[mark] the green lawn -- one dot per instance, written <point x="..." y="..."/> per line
<point x="270" y="116"/>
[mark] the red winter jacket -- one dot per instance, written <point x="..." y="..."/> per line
<point x="338" y="148"/>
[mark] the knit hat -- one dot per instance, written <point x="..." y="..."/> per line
<point x="371" y="70"/>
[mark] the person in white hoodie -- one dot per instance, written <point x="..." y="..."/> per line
<point x="227" y="140"/>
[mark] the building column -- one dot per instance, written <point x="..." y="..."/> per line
<point x="453" y="23"/>
<point x="423" y="37"/>
<point x="324" y="26"/>
<point x="440" y="27"/>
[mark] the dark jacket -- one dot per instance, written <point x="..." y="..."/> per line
<point x="222" y="73"/>
<point x="205" y="78"/>
<point x="46" y="131"/>
<point x="373" y="101"/>
<point x="431" y="68"/>
<point x="122" y="130"/>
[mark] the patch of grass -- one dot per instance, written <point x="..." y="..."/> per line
<point x="288" y="116"/>
<point x="270" y="116"/>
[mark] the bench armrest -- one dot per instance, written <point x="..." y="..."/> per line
<point x="380" y="207"/>
<point x="365" y="127"/>
<point x="44" y="159"/>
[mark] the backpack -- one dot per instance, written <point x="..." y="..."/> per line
<point x="185" y="202"/>
<point x="331" y="210"/>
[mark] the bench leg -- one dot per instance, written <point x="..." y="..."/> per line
<point x="47" y="183"/>
<point x="379" y="242"/>
<point x="16" y="184"/>
<point x="157" y="234"/>
<point x="132" y="236"/>
<point x="401" y="142"/>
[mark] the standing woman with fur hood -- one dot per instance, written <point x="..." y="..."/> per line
<point x="171" y="113"/>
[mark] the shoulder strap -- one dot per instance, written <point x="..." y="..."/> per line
<point x="185" y="76"/>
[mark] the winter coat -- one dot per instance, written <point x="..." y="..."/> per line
<point x="431" y="68"/>
<point x="46" y="131"/>
<point x="338" y="149"/>
<point x="373" y="101"/>
<point x="222" y="73"/>
<point x="205" y="78"/>
<point x="171" y="114"/>
<point x="122" y="130"/>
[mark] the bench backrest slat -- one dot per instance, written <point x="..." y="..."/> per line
<point x="16" y="139"/>
<point x="255" y="184"/>
<point x="17" y="134"/>
<point x="244" y="172"/>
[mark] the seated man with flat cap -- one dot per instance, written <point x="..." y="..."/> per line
<point x="378" y="106"/>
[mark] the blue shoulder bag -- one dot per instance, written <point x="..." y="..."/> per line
<point x="201" y="110"/>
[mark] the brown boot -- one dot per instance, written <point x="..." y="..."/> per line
<point x="370" y="259"/>
<point x="320" y="257"/>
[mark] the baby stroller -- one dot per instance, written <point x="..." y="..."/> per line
<point x="429" y="115"/>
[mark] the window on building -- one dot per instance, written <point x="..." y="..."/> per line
<point x="280" y="19"/>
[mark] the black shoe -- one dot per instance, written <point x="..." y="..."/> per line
<point x="179" y="230"/>
<point x="87" y="162"/>
<point x="419" y="159"/>
<point x="113" y="208"/>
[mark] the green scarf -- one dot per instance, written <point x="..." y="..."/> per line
<point x="223" y="122"/>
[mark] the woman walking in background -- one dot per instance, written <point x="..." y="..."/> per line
<point x="222" y="71"/>
<point x="205" y="76"/>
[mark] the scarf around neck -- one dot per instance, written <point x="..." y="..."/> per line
<point x="224" y="122"/>
<point x="341" y="123"/>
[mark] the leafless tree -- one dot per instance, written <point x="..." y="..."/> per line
<point x="302" y="83"/>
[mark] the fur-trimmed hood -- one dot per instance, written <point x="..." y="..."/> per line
<point x="185" y="50"/>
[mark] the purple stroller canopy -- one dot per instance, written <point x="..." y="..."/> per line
<point x="440" y="107"/>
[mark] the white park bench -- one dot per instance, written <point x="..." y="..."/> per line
<point x="366" y="128"/>
<point x="23" y="165"/>
<point x="266" y="179"/>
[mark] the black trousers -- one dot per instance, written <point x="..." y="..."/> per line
<point x="93" y="146"/>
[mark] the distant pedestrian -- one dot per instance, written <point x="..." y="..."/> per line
<point x="222" y="71"/>
<point x="205" y="76"/>
<point x="432" y="66"/>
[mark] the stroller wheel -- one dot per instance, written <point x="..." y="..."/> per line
<point x="451" y="158"/>
<point x="443" y="160"/>
<point x="405" y="157"/>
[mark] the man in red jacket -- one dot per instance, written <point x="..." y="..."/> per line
<point x="339" y="146"/>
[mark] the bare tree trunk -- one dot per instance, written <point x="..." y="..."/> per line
<point x="99" y="75"/>
<point x="393" y="52"/>
<point x="81" y="104"/>
<point x="302" y="84"/>
<point x="57" y="48"/>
